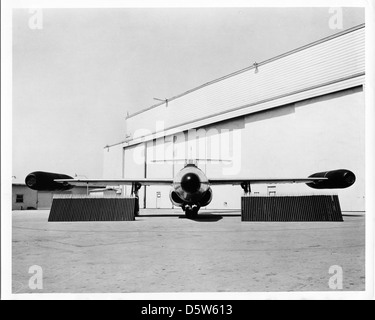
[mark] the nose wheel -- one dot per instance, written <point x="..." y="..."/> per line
<point x="191" y="211"/>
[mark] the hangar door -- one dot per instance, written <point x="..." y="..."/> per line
<point x="134" y="167"/>
<point x="158" y="152"/>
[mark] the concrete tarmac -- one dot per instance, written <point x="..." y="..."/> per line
<point x="164" y="252"/>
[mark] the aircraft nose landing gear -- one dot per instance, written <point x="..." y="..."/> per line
<point x="191" y="211"/>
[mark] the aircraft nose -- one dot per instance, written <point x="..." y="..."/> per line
<point x="190" y="183"/>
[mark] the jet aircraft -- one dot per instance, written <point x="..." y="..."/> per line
<point x="190" y="188"/>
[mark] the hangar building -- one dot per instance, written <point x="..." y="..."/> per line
<point x="290" y="116"/>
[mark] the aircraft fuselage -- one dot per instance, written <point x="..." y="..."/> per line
<point x="191" y="190"/>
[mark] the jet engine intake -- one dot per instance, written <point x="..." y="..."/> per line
<point x="175" y="199"/>
<point x="206" y="199"/>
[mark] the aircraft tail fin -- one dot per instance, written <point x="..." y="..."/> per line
<point x="192" y="161"/>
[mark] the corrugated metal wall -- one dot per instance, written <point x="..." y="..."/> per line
<point x="322" y="65"/>
<point x="291" y="208"/>
<point x="74" y="208"/>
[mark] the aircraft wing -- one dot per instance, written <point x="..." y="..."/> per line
<point x="114" y="182"/>
<point x="148" y="182"/>
<point x="47" y="181"/>
<point x="237" y="181"/>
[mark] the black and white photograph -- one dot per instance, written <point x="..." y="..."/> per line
<point x="187" y="151"/>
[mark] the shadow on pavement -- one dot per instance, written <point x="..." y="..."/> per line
<point x="204" y="218"/>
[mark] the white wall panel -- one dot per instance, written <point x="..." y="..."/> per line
<point x="134" y="162"/>
<point x="335" y="60"/>
<point x="295" y="140"/>
<point x="113" y="162"/>
<point x="301" y="113"/>
<point x="159" y="150"/>
<point x="319" y="134"/>
<point x="134" y="167"/>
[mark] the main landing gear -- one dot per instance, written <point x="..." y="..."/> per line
<point x="191" y="211"/>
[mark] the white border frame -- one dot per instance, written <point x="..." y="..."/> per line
<point x="6" y="146"/>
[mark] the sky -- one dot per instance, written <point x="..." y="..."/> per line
<point x="77" y="76"/>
